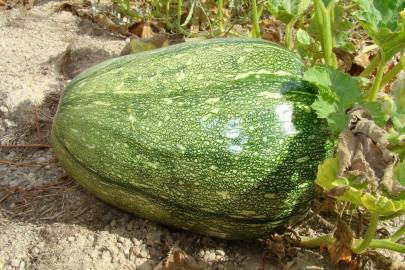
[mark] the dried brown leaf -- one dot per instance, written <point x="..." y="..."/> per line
<point x="362" y="59"/>
<point x="105" y="22"/>
<point x="340" y="250"/>
<point x="362" y="152"/>
<point x="391" y="185"/>
<point x="345" y="150"/>
<point x="177" y="259"/>
<point x="346" y="59"/>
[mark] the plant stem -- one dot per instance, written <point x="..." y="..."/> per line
<point x="168" y="8"/>
<point x="370" y="68"/>
<point x="309" y="242"/>
<point x="220" y="15"/>
<point x="288" y="33"/>
<point x="387" y="244"/>
<point x="157" y="5"/>
<point x="378" y="78"/>
<point x="255" y="17"/>
<point x="190" y="14"/>
<point x="325" y="24"/>
<point x="392" y="73"/>
<point x="372" y="228"/>
<point x="398" y="234"/>
<point x="331" y="9"/>
<point x="179" y="12"/>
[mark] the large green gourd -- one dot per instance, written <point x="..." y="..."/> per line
<point x="214" y="136"/>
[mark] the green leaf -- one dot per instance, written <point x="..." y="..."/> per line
<point x="303" y="37"/>
<point x="342" y="28"/>
<point x="383" y="23"/>
<point x="398" y="92"/>
<point x="327" y="173"/>
<point x="338" y="93"/>
<point x="286" y="10"/>
<point x="337" y="121"/>
<point x="323" y="107"/>
<point x="375" y="109"/>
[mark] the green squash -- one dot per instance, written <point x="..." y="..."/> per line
<point x="213" y="136"/>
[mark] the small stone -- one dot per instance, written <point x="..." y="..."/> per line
<point x="144" y="252"/>
<point x="71" y="239"/>
<point x="201" y="253"/>
<point x="94" y="254"/>
<point x="136" y="241"/>
<point x="220" y="252"/>
<point x="15" y="263"/>
<point x="106" y="256"/>
<point x="35" y="251"/>
<point x="22" y="265"/>
<point x="120" y="239"/>
<point x="211" y="257"/>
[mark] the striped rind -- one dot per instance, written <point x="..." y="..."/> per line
<point x="213" y="136"/>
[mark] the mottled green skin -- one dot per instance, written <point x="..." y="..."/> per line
<point x="212" y="136"/>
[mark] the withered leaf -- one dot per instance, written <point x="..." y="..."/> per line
<point x="363" y="152"/>
<point x="340" y="250"/>
<point x="177" y="259"/>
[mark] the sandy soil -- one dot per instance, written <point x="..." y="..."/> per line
<point x="47" y="221"/>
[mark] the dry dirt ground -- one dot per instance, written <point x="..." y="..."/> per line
<point x="46" y="220"/>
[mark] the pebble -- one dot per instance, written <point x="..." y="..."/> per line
<point x="15" y="263"/>
<point x="120" y="239"/>
<point x="220" y="252"/>
<point x="22" y="265"/>
<point x="209" y="256"/>
<point x="144" y="252"/>
<point x="71" y="239"/>
<point x="201" y="253"/>
<point x="35" y="251"/>
<point x="106" y="256"/>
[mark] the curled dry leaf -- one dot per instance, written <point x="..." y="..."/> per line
<point x="177" y="259"/>
<point x="340" y="250"/>
<point x="363" y="153"/>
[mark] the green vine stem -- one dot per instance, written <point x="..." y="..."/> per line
<point x="331" y="9"/>
<point x="190" y="14"/>
<point x="325" y="24"/>
<point x="392" y="73"/>
<point x="288" y="33"/>
<point x="328" y="239"/>
<point x="378" y="78"/>
<point x="398" y="234"/>
<point x="220" y="15"/>
<point x="387" y="244"/>
<point x="179" y="12"/>
<point x="167" y="8"/>
<point x="157" y="5"/>
<point x="314" y="242"/>
<point x="370" y="68"/>
<point x="370" y="233"/>
<point x="255" y="17"/>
